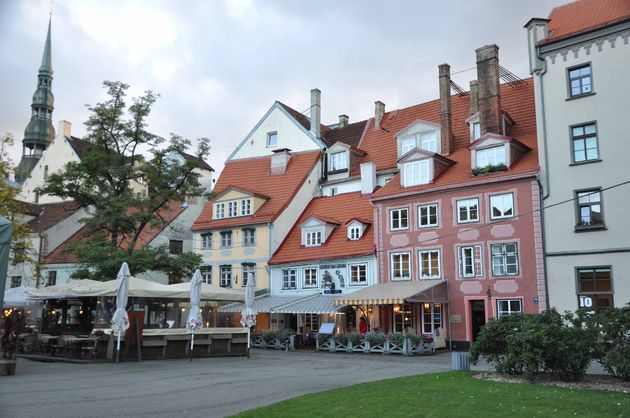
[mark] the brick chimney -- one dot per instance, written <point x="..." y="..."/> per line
<point x="279" y="161"/>
<point x="65" y="128"/>
<point x="489" y="89"/>
<point x="343" y="121"/>
<point x="316" y="109"/>
<point x="446" y="120"/>
<point x="379" y="112"/>
<point x="474" y="105"/>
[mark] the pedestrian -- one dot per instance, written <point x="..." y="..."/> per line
<point x="363" y="326"/>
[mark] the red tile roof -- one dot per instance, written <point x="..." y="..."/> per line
<point x="254" y="174"/>
<point x="51" y="214"/>
<point x="517" y="101"/>
<point x="584" y="15"/>
<point x="64" y="254"/>
<point x="344" y="207"/>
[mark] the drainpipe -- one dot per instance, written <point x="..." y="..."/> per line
<point x="543" y="122"/>
<point x="38" y="270"/>
<point x="544" y="243"/>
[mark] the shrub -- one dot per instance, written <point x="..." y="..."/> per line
<point x="615" y="341"/>
<point x="269" y="336"/>
<point x="354" y="338"/>
<point x="396" y="338"/>
<point x="492" y="344"/>
<point x="416" y="339"/>
<point x="375" y="338"/>
<point x="322" y="338"/>
<point x="284" y="336"/>
<point x="341" y="339"/>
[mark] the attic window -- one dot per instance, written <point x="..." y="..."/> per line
<point x="338" y="161"/>
<point x="476" y="130"/>
<point x="490" y="156"/>
<point x="272" y="139"/>
<point x="313" y="238"/>
<point x="426" y="140"/>
<point x="415" y="173"/>
<point x="219" y="211"/>
<point x="355" y="230"/>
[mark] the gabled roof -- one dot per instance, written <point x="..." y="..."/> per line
<point x="202" y="163"/>
<point x="583" y="16"/>
<point x="345" y="207"/>
<point x="242" y="190"/>
<point x="349" y="134"/>
<point x="63" y="253"/>
<point x="254" y="174"/>
<point x="502" y="138"/>
<point x="321" y="218"/>
<point x="303" y="119"/>
<point x="78" y="145"/>
<point x="50" y="214"/>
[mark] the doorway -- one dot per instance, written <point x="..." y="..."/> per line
<point x="477" y="317"/>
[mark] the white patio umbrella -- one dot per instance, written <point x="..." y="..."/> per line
<point x="194" y="320"/>
<point x="248" y="316"/>
<point x="120" y="320"/>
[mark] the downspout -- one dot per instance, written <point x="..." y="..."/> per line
<point x="544" y="244"/>
<point x="543" y="122"/>
<point x="38" y="269"/>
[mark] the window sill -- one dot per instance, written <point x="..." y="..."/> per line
<point x="589" y="228"/>
<point x="585" y="162"/>
<point x="400" y="279"/>
<point x="467" y="222"/>
<point x="342" y="170"/>
<point x="579" y="96"/>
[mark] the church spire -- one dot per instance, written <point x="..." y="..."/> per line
<point x="39" y="132"/>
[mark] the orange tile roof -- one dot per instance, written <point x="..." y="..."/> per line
<point x="584" y="15"/>
<point x="517" y="101"/>
<point x="64" y="252"/>
<point x="254" y="174"/>
<point x="344" y="207"/>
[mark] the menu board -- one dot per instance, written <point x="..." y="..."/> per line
<point x="327" y="328"/>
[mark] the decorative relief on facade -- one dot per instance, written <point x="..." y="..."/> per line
<point x="506" y="286"/>
<point x="428" y="237"/>
<point x="587" y="45"/>
<point x="502" y="231"/>
<point x="399" y="240"/>
<point x="471" y="288"/>
<point x="468" y="235"/>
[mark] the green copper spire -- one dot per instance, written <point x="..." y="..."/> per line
<point x="39" y="132"/>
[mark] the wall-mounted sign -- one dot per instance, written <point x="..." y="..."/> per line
<point x="456" y="319"/>
<point x="585" y="301"/>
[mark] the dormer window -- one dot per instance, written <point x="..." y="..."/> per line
<point x="354" y="233"/>
<point x="338" y="161"/>
<point x="220" y="211"/>
<point x="415" y="173"/>
<point x="313" y="238"/>
<point x="407" y="144"/>
<point x="424" y="140"/>
<point x="490" y="156"/>
<point x="476" y="130"/>
<point x="246" y="207"/>
<point x="232" y="209"/>
<point x="240" y="207"/>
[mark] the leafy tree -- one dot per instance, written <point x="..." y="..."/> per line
<point x="12" y="209"/>
<point x="108" y="179"/>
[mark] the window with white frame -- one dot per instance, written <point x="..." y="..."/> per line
<point x="272" y="139"/>
<point x="502" y="206"/>
<point x="407" y="143"/>
<point x="313" y="238"/>
<point x="311" y="322"/>
<point x="429" y="263"/>
<point x="398" y="219"/>
<point x="476" y="130"/>
<point x="504" y="259"/>
<point x="358" y="273"/>
<point x="206" y="274"/>
<point x="509" y="307"/>
<point x="232" y="209"/>
<point x="248" y="270"/>
<point x="246" y="207"/>
<point x="338" y="161"/>
<point x="226" y="239"/>
<point x="470" y="261"/>
<point x="428" y="215"/>
<point x="219" y="212"/>
<point x="354" y="232"/>
<point x="206" y="240"/>
<point x="310" y="277"/>
<point x="400" y="266"/>
<point x="249" y="237"/>
<point x="289" y="280"/>
<point x="468" y="210"/>
<point x="490" y="156"/>
<point x="431" y="317"/>
<point x="415" y="173"/>
<point x="428" y="141"/>
<point x="226" y="276"/>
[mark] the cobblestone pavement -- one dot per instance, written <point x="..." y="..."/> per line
<point x="211" y="387"/>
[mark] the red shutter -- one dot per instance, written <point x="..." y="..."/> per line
<point x="478" y="261"/>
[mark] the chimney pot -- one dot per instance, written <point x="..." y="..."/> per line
<point x="316" y="109"/>
<point x="368" y="178"/>
<point x="279" y="160"/>
<point x="343" y="121"/>
<point x="379" y="112"/>
<point x="489" y="90"/>
<point x="446" y="120"/>
<point x="65" y="128"/>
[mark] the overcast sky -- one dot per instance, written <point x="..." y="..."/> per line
<point x="219" y="65"/>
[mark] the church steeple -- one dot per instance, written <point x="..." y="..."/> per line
<point x="39" y="132"/>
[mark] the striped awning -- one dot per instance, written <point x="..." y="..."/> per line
<point x="263" y="304"/>
<point x="317" y="304"/>
<point x="397" y="292"/>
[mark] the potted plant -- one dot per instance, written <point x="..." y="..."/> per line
<point x="375" y="341"/>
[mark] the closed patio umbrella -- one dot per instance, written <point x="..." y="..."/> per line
<point x="120" y="320"/>
<point x="194" y="320"/>
<point x="248" y="317"/>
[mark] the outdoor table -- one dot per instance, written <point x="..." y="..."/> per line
<point x="76" y="344"/>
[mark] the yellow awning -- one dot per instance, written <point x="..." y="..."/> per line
<point x="433" y="290"/>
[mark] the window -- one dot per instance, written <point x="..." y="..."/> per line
<point x="249" y="236"/>
<point x="431" y="317"/>
<point x="45" y="172"/>
<point x="398" y="219"/>
<point x="311" y="322"/>
<point x="584" y="138"/>
<point x="490" y="156"/>
<point x="400" y="266"/>
<point x="476" y="130"/>
<point x="595" y="288"/>
<point x="232" y="209"/>
<point x="206" y="274"/>
<point x="354" y="232"/>
<point x="52" y="278"/>
<point x="175" y="246"/>
<point x="502" y="206"/>
<point x="589" y="204"/>
<point x="220" y="212"/>
<point x="468" y="210"/>
<point x="429" y="262"/>
<point x="428" y="141"/>
<point x="407" y="143"/>
<point x="470" y="263"/>
<point x="206" y="241"/>
<point x="310" y="277"/>
<point x="509" y="307"/>
<point x="272" y="139"/>
<point x="313" y="238"/>
<point x="428" y="215"/>
<point x="358" y="274"/>
<point x="415" y="173"/>
<point x="504" y="259"/>
<point x="173" y="279"/>
<point x="338" y="161"/>
<point x="16" y="281"/>
<point x="226" y="276"/>
<point x="226" y="239"/>
<point x="333" y="191"/>
<point x="248" y="270"/>
<point x="580" y="81"/>
<point x="402" y="317"/>
<point x="288" y="279"/>
<point x="246" y="207"/>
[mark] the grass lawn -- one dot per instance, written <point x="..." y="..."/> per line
<point x="452" y="394"/>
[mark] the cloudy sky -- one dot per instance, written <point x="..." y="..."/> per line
<point x="219" y="65"/>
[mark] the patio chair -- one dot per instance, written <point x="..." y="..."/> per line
<point x="90" y="350"/>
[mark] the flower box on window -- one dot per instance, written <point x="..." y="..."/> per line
<point x="488" y="169"/>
